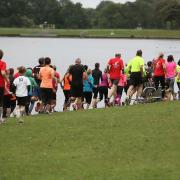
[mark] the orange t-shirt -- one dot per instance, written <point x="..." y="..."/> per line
<point x="67" y="80"/>
<point x="46" y="75"/>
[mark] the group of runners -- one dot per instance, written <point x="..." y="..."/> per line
<point x="35" y="88"/>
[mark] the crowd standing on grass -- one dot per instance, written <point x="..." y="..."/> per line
<point x="29" y="89"/>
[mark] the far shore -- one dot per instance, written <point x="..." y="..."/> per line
<point x="91" y="33"/>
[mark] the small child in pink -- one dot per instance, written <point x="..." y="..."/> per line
<point x="121" y="85"/>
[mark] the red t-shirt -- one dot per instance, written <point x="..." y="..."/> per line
<point x="158" y="67"/>
<point x="2" y="68"/>
<point x="16" y="75"/>
<point x="116" y="68"/>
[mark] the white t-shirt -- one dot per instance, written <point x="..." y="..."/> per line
<point x="21" y="84"/>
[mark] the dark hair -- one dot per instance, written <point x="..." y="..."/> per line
<point x="54" y="67"/>
<point x="11" y="71"/>
<point x="41" y="61"/>
<point x="47" y="61"/>
<point x="1" y="54"/>
<point x="149" y="64"/>
<point x="118" y="55"/>
<point x="139" y="53"/>
<point x="179" y="62"/>
<point x="97" y="65"/>
<point x="85" y="67"/>
<point x="161" y="55"/>
<point x="170" y="58"/>
<point x="22" y="70"/>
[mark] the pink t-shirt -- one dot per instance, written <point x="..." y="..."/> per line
<point x="170" y="69"/>
<point x="104" y="80"/>
<point x="122" y="81"/>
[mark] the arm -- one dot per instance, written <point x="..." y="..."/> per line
<point x="84" y="76"/>
<point x="164" y="67"/>
<point x="179" y="76"/>
<point x="142" y="70"/>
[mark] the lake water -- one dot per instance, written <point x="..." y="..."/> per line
<point x="63" y="52"/>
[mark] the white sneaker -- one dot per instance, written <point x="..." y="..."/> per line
<point x="12" y="115"/>
<point x="2" y="121"/>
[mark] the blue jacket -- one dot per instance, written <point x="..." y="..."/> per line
<point x="88" y="84"/>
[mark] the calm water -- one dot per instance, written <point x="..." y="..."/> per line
<point x="26" y="51"/>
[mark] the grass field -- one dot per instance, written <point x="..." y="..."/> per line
<point x="91" y="33"/>
<point x="129" y="143"/>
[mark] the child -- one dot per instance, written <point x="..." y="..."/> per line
<point x="22" y="87"/>
<point x="178" y="78"/>
<point x="88" y="88"/>
<point x="31" y="95"/>
<point x="120" y="88"/>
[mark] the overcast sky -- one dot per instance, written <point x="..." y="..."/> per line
<point x="94" y="3"/>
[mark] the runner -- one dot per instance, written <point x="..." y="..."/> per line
<point x="78" y="75"/>
<point x="3" y="81"/>
<point x="7" y="98"/>
<point x="46" y="75"/>
<point x="115" y="68"/>
<point x="88" y="88"/>
<point x="178" y="78"/>
<point x="36" y="71"/>
<point x="66" y="86"/>
<point x="22" y="87"/>
<point x="121" y="85"/>
<point x="136" y="68"/>
<point x="31" y="95"/>
<point x="97" y="75"/>
<point x="103" y="88"/>
<point x="13" y="96"/>
<point x="170" y="74"/>
<point x="159" y="73"/>
<point x="55" y="82"/>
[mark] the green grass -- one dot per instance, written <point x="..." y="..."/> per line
<point x="129" y="143"/>
<point x="92" y="33"/>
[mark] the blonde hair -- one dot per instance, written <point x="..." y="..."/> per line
<point x="89" y="71"/>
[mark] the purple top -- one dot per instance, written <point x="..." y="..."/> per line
<point x="104" y="80"/>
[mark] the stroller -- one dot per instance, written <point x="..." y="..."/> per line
<point x="149" y="94"/>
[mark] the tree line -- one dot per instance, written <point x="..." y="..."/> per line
<point x="66" y="14"/>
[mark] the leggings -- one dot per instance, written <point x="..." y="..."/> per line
<point x="67" y="95"/>
<point x="103" y="92"/>
<point x="120" y="91"/>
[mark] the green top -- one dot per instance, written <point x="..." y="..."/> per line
<point x="178" y="71"/>
<point x="135" y="64"/>
<point x="31" y="79"/>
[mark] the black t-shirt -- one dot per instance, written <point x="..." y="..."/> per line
<point x="97" y="75"/>
<point x="77" y="71"/>
<point x="36" y="71"/>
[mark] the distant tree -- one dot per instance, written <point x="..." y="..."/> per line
<point x="66" y="14"/>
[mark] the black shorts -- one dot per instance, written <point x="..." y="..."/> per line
<point x="88" y="97"/>
<point x="1" y="96"/>
<point x="7" y="101"/>
<point x="136" y="79"/>
<point x="46" y="94"/>
<point x="22" y="101"/>
<point x="77" y="91"/>
<point x="115" y="81"/>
